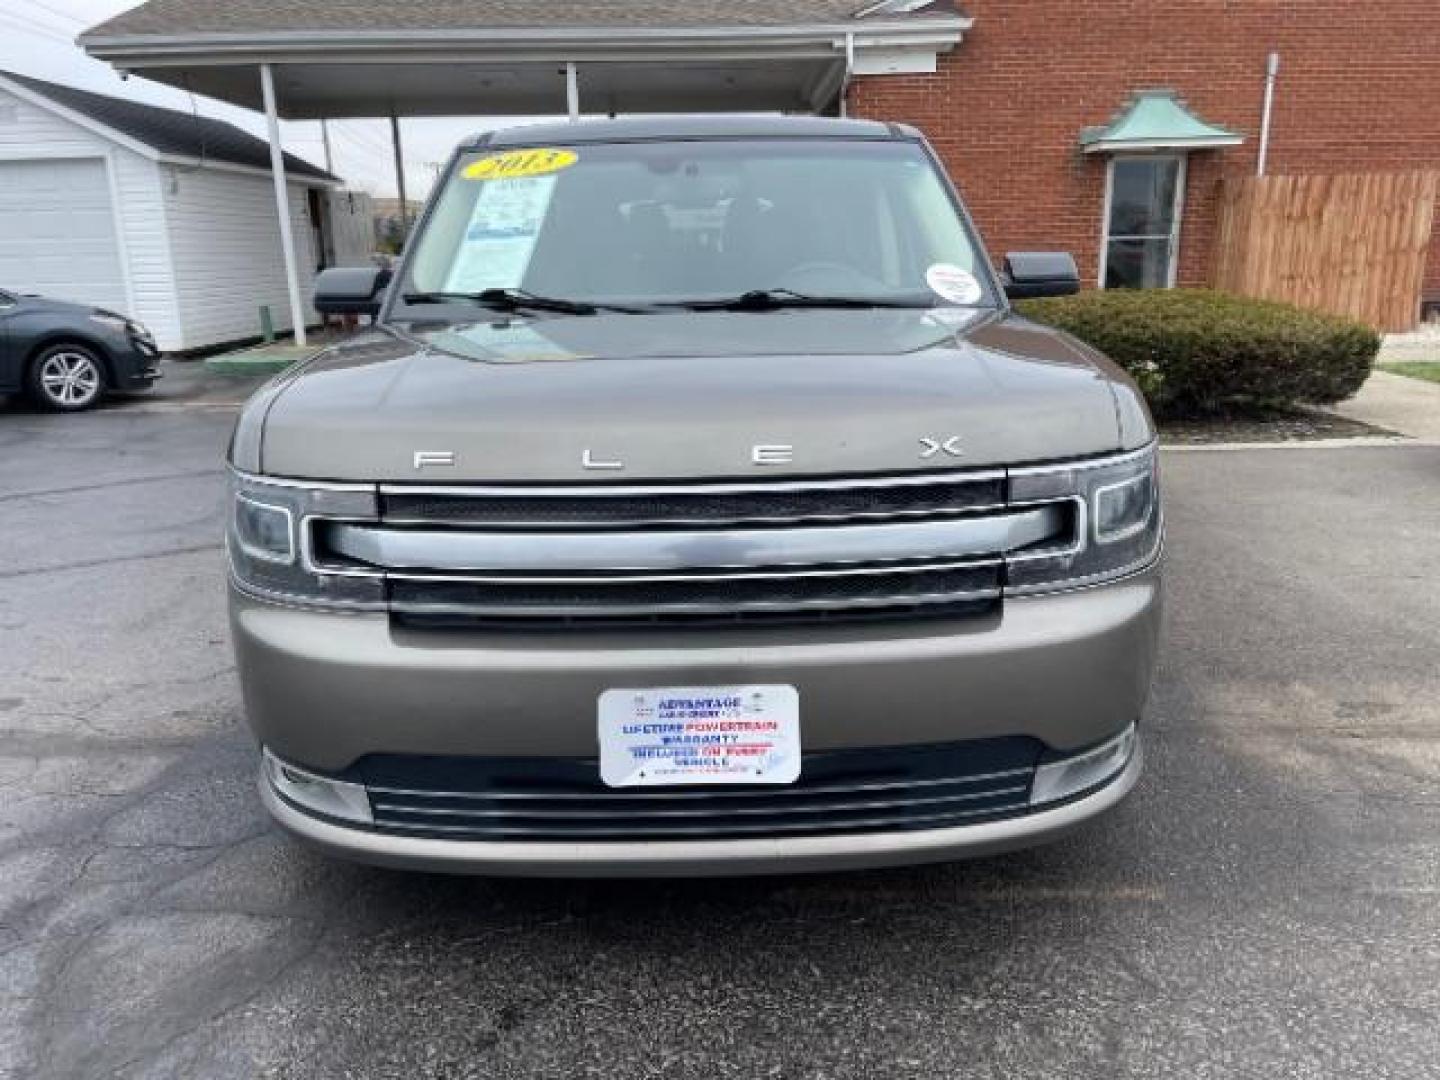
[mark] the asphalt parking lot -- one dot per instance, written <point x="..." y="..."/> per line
<point x="1267" y="904"/>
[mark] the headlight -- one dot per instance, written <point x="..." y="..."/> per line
<point x="1123" y="508"/>
<point x="268" y="541"/>
<point x="111" y="321"/>
<point x="1118" y="521"/>
<point x="264" y="530"/>
<point x="121" y="325"/>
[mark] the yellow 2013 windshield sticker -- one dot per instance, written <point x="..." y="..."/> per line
<point x="514" y="164"/>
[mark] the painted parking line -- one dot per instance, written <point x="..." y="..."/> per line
<point x="163" y="407"/>
<point x="1358" y="442"/>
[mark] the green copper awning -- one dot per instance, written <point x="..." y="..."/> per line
<point x="1155" y="120"/>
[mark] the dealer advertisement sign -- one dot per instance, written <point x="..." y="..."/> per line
<point x="700" y="735"/>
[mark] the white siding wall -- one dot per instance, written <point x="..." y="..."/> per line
<point x="225" y="248"/>
<point x="28" y="132"/>
<point x="145" y="246"/>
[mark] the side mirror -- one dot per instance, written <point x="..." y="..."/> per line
<point x="1028" y="274"/>
<point x="350" y="290"/>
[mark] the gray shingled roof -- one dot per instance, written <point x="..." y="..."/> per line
<point x="186" y="17"/>
<point x="169" y="131"/>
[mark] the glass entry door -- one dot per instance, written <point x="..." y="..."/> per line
<point x="1142" y="225"/>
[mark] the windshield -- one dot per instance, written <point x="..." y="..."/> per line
<point x="656" y="223"/>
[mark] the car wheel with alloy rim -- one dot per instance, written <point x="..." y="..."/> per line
<point x="67" y="378"/>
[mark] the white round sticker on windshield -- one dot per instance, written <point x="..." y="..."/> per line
<point x="954" y="284"/>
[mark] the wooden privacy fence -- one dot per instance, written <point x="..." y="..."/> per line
<point x="1352" y="245"/>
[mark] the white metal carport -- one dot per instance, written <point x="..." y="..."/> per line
<point x="375" y="58"/>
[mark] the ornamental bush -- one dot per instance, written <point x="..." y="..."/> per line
<point x="1197" y="352"/>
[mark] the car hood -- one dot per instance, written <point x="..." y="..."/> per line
<point x="690" y="395"/>
<point x="63" y="307"/>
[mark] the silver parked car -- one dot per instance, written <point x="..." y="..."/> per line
<point x="698" y="505"/>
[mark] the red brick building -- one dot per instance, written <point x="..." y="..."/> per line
<point x="1358" y="89"/>
<point x="1007" y="89"/>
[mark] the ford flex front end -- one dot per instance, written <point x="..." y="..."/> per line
<point x="697" y="505"/>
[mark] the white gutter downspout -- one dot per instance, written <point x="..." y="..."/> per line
<point x="282" y="203"/>
<point x="849" y="66"/>
<point x="1272" y="70"/>
<point x="572" y="90"/>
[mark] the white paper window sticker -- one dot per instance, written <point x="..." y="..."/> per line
<point x="950" y="282"/>
<point x="500" y="237"/>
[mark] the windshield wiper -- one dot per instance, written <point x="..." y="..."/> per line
<point x="775" y="299"/>
<point x="514" y="300"/>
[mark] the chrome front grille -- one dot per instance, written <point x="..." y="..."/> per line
<point x="679" y="553"/>
<point x="596" y="506"/>
<point x="884" y="789"/>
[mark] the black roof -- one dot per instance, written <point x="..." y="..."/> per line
<point x="169" y="131"/>
<point x="685" y="126"/>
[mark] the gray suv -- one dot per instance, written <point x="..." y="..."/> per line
<point x="697" y="505"/>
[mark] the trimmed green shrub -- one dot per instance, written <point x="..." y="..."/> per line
<point x="1195" y="352"/>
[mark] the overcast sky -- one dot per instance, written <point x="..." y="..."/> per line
<point x="37" y="38"/>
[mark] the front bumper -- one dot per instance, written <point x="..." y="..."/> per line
<point x="134" y="364"/>
<point x="701" y="858"/>
<point x="323" y="690"/>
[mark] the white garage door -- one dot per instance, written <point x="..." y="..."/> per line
<point x="57" y="231"/>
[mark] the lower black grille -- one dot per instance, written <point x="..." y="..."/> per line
<point x="843" y="791"/>
<point x="959" y="609"/>
<point x="616" y="595"/>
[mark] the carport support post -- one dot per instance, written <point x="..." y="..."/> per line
<point x="572" y="90"/>
<point x="282" y="202"/>
<point x="400" y="177"/>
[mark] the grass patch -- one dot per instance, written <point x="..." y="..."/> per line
<point x="1429" y="370"/>
<point x="264" y="360"/>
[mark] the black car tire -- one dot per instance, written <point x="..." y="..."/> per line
<point x="66" y="377"/>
